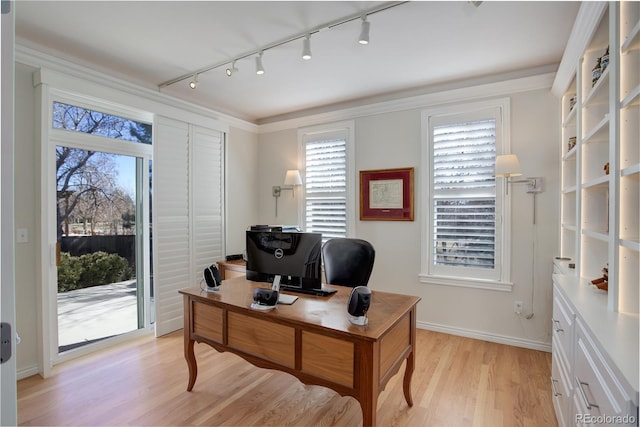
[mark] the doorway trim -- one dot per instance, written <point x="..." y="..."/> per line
<point x="48" y="138"/>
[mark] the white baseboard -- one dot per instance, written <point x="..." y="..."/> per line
<point x="27" y="372"/>
<point x="479" y="335"/>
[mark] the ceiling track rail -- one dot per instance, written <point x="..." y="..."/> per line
<point x="317" y="29"/>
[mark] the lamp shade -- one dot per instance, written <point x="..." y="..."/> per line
<point x="507" y="165"/>
<point x="292" y="177"/>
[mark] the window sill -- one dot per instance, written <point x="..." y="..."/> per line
<point x="465" y="282"/>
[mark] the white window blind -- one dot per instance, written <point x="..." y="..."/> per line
<point x="326" y="187"/>
<point x="465" y="239"/>
<point x="464" y="196"/>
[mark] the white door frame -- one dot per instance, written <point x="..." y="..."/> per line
<point x="8" y="391"/>
<point x="49" y="138"/>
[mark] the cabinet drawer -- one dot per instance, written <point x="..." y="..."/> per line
<point x="597" y="391"/>
<point x="561" y="390"/>
<point x="563" y="321"/>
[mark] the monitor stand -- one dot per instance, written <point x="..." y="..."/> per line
<point x="276" y="282"/>
<point x="276" y="286"/>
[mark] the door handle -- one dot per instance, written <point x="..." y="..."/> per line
<point x="5" y="342"/>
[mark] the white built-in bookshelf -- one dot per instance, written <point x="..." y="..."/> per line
<point x="595" y="331"/>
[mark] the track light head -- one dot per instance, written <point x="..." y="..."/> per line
<point x="364" y="31"/>
<point x="259" y="67"/>
<point x="306" y="47"/>
<point x="232" y="69"/>
<point x="194" y="83"/>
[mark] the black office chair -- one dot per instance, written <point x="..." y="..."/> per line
<point x="348" y="262"/>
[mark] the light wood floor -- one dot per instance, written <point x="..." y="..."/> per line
<point x="457" y="382"/>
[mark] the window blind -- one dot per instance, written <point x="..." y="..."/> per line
<point x="188" y="231"/>
<point x="326" y="187"/>
<point x="464" y="196"/>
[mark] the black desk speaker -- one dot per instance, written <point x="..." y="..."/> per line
<point x="359" y="301"/>
<point x="266" y="297"/>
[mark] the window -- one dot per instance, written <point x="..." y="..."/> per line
<point x="327" y="180"/>
<point x="464" y="229"/>
<point x="78" y="119"/>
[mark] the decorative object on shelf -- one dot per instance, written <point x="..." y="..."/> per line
<point x="572" y="102"/>
<point x="386" y="195"/>
<point x="604" y="61"/>
<point x="572" y="143"/>
<point x="596" y="72"/>
<point x="606" y="168"/>
<point x="602" y="283"/>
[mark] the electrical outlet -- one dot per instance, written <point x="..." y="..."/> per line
<point x="517" y="307"/>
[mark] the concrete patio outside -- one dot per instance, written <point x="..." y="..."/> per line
<point x="90" y="314"/>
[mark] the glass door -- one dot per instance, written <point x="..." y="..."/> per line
<point x="100" y="279"/>
<point x="102" y="227"/>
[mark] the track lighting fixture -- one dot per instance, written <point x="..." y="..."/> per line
<point x="232" y="69"/>
<point x="364" y="31"/>
<point x="194" y="83"/>
<point x="259" y="67"/>
<point x="306" y="47"/>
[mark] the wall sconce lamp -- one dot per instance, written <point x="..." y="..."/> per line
<point x="292" y="179"/>
<point x="508" y="166"/>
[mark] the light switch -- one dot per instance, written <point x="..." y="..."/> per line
<point x="22" y="235"/>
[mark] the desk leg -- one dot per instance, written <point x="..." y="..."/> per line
<point x="408" y="373"/>
<point x="188" y="344"/>
<point x="191" y="362"/>
<point x="369" y="410"/>
<point x="368" y="382"/>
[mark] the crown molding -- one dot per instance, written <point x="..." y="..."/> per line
<point x="584" y="27"/>
<point x="39" y="60"/>
<point x="453" y="93"/>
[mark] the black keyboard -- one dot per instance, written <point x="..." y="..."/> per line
<point x="318" y="292"/>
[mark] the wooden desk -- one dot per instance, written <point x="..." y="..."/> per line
<point x="231" y="269"/>
<point x="311" y="339"/>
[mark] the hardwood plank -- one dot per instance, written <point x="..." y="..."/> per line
<point x="457" y="382"/>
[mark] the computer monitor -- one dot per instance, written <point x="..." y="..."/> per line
<point x="295" y="256"/>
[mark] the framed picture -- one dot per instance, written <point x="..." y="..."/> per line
<point x="386" y="195"/>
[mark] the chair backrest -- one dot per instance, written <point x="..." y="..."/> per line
<point x="348" y="262"/>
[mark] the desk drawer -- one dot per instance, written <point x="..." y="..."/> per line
<point x="267" y="340"/>
<point x="207" y="321"/>
<point x="327" y="357"/>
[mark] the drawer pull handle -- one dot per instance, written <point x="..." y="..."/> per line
<point x="584" y="395"/>
<point x="553" y="387"/>
<point x="558" y="329"/>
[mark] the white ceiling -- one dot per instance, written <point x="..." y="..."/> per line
<point x="415" y="45"/>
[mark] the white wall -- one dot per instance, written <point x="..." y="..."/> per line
<point x="277" y="152"/>
<point x="255" y="163"/>
<point x="241" y="182"/>
<point x="25" y="217"/>
<point x="393" y="140"/>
